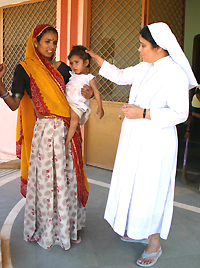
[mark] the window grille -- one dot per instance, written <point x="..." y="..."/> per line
<point x="114" y="34"/>
<point x="171" y="12"/>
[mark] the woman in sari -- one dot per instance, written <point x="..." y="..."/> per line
<point x="55" y="187"/>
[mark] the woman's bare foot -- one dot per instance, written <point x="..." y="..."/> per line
<point x="76" y="241"/>
<point x="153" y="246"/>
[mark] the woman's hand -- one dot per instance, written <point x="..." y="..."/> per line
<point x="2" y="69"/>
<point x="187" y="135"/>
<point x="87" y="92"/>
<point x="95" y="57"/>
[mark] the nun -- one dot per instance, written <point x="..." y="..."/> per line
<point x="140" y="202"/>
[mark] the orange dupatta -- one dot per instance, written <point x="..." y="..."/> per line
<point x="47" y="89"/>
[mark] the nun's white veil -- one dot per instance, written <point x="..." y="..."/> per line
<point x="165" y="39"/>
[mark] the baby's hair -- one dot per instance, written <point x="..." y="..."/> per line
<point x="80" y="52"/>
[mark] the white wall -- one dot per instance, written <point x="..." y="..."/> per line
<point x="8" y="118"/>
<point x="10" y="2"/>
<point x="192" y="26"/>
<point x="7" y="129"/>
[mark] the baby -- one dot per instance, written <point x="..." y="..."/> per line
<point x="80" y="110"/>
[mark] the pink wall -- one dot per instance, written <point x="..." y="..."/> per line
<point x="8" y="120"/>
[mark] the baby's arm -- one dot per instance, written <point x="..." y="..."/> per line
<point x="97" y="95"/>
<point x="72" y="128"/>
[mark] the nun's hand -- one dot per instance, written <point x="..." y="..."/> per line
<point x="99" y="60"/>
<point x="132" y="111"/>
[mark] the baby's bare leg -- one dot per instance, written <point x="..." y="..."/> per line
<point x="72" y="128"/>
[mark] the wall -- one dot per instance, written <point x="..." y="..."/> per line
<point x="192" y="26"/>
<point x="8" y="129"/>
<point x="10" y="2"/>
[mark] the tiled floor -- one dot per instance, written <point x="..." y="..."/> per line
<point x="100" y="246"/>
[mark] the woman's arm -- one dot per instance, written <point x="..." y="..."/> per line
<point x="187" y="132"/>
<point x="13" y="103"/>
<point x="196" y="114"/>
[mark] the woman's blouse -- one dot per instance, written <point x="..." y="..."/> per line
<point x="21" y="80"/>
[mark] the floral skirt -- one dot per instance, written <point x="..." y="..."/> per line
<point x="53" y="214"/>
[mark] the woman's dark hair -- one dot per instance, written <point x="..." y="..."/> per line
<point x="145" y="33"/>
<point x="80" y="52"/>
<point x="48" y="29"/>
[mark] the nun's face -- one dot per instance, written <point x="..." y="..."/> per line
<point x="147" y="52"/>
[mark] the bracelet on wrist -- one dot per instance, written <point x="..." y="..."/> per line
<point x="187" y="130"/>
<point x="144" y="113"/>
<point x="5" y="96"/>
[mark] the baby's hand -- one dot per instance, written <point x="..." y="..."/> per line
<point x="100" y="111"/>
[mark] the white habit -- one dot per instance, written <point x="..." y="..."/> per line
<point x="142" y="187"/>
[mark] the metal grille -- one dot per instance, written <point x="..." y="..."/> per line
<point x="18" y="22"/>
<point x="171" y="12"/>
<point x="115" y="26"/>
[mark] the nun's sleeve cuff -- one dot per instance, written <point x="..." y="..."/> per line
<point x="165" y="117"/>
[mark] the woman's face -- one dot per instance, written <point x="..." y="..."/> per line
<point x="147" y="52"/>
<point x="198" y="96"/>
<point x="47" y="45"/>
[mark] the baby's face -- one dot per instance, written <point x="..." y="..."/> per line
<point x="78" y="65"/>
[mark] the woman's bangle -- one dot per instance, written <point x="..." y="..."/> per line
<point x="187" y="130"/>
<point x="5" y="96"/>
<point x="144" y="113"/>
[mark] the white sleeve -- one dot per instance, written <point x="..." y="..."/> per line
<point x="177" y="108"/>
<point x="118" y="76"/>
<point x="91" y="76"/>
